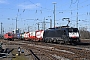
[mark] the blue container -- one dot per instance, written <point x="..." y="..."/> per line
<point x="18" y="36"/>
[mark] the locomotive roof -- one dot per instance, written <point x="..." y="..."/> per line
<point x="60" y="28"/>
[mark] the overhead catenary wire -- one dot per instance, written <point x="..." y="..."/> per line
<point x="73" y="2"/>
<point x="40" y="10"/>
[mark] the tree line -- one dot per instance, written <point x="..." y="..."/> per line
<point x="84" y="33"/>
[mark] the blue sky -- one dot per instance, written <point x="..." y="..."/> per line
<point x="28" y="11"/>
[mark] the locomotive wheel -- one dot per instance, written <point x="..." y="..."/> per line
<point x="65" y="42"/>
<point x="48" y="40"/>
<point x="78" y="41"/>
<point x="60" y="42"/>
<point x="45" y="40"/>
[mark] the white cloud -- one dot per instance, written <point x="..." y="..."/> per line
<point x="3" y="1"/>
<point x="29" y="6"/>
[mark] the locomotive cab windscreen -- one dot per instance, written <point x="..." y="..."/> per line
<point x="72" y="30"/>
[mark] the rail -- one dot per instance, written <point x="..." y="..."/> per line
<point x="36" y="58"/>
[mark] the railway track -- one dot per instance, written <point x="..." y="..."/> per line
<point x="69" y="52"/>
<point x="56" y="51"/>
<point x="34" y="56"/>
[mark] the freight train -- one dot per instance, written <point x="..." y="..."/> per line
<point x="62" y="34"/>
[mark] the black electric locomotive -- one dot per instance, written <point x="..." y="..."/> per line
<point x="62" y="34"/>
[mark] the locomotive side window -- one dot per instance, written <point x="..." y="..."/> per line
<point x="75" y="30"/>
